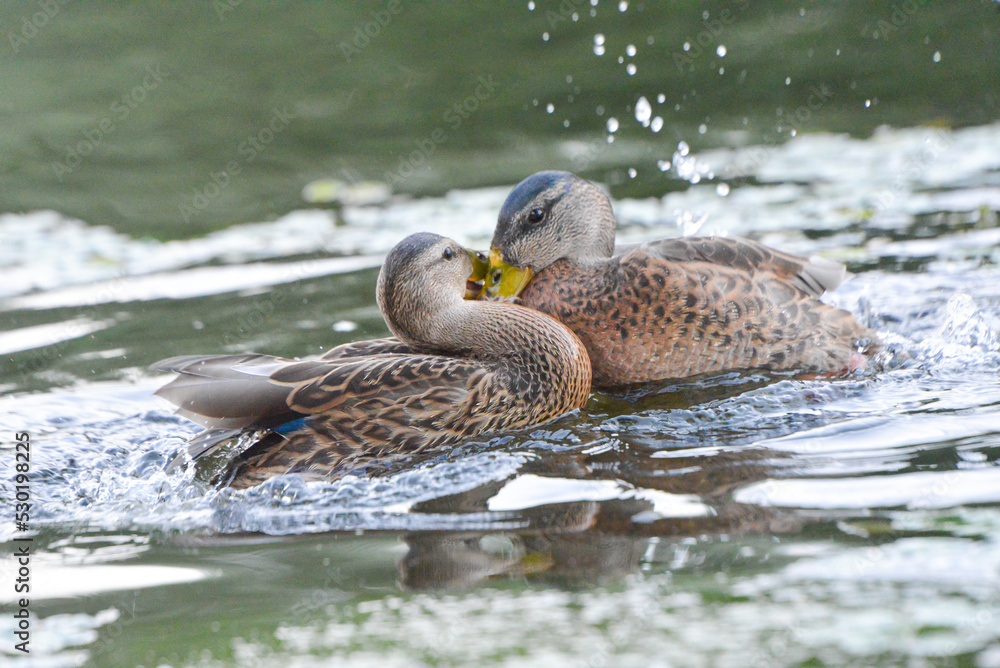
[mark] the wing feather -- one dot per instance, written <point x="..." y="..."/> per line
<point x="357" y="406"/>
<point x="227" y="391"/>
<point x="391" y="378"/>
<point x="366" y="348"/>
<point x="813" y="275"/>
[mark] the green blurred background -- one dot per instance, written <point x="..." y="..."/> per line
<point x="161" y="98"/>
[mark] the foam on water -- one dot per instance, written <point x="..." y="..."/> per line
<point x="886" y="180"/>
<point x="117" y="482"/>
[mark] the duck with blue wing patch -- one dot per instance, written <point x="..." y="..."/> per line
<point x="458" y="368"/>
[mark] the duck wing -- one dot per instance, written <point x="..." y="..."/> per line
<point x="423" y="391"/>
<point x="227" y="391"/>
<point x="239" y="391"/>
<point x="813" y="275"/>
<point x="364" y="348"/>
<point x="372" y="407"/>
<point x="387" y="401"/>
<point x="226" y="394"/>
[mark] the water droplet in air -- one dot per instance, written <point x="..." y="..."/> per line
<point x="687" y="46"/>
<point x="643" y="111"/>
<point x="656" y="125"/>
<point x="722" y="189"/>
<point x="937" y="56"/>
<point x="721" y="51"/>
<point x="550" y="107"/>
<point x="612" y="125"/>
<point x="630" y="68"/>
<point x="868" y="103"/>
<point x="661" y="98"/>
<point x="622" y="6"/>
<point x="788" y="81"/>
<point x="687" y="166"/>
<point x="630" y="50"/>
<point x="531" y="6"/>
<point x="702" y="129"/>
<point x="632" y="173"/>
<point x="689" y="223"/>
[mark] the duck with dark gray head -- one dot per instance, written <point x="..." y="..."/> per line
<point x="671" y="308"/>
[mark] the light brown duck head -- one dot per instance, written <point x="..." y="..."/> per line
<point x="421" y="288"/>
<point x="549" y="216"/>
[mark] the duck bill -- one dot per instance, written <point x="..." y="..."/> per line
<point x="480" y="267"/>
<point x="505" y="280"/>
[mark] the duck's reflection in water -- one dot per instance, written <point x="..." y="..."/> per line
<point x="600" y="537"/>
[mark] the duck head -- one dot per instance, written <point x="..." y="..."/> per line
<point x="422" y="278"/>
<point x="549" y="216"/>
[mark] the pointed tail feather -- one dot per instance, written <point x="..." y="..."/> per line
<point x="227" y="391"/>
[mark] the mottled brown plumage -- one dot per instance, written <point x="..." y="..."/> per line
<point x="458" y="369"/>
<point x="670" y="308"/>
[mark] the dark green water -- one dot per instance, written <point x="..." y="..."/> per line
<point x="154" y="158"/>
<point x="221" y="75"/>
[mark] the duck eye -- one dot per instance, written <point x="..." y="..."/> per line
<point x="536" y="215"/>
<point x="448" y="253"/>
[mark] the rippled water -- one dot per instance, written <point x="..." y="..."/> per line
<point x="742" y="518"/>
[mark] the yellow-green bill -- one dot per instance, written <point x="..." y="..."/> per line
<point x="506" y="280"/>
<point x="480" y="267"/>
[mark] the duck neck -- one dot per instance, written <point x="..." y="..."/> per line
<point x="538" y="352"/>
